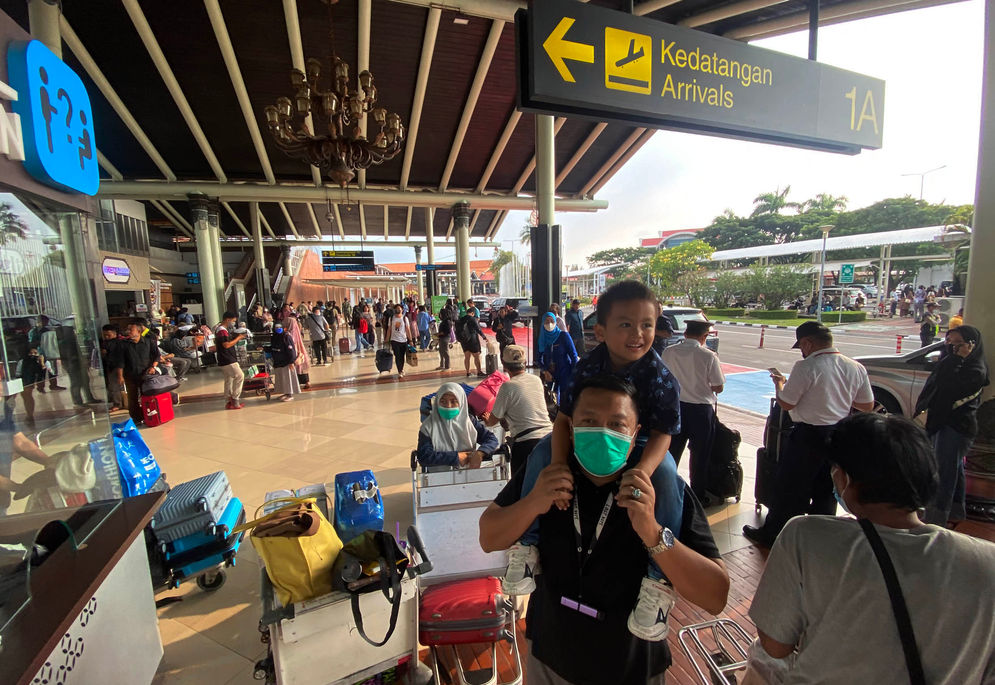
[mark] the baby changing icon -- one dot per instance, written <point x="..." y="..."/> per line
<point x="56" y="117"/>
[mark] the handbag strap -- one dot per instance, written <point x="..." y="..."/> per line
<point x="912" y="661"/>
<point x="390" y="580"/>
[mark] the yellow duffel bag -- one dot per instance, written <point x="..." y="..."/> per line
<point x="298" y="546"/>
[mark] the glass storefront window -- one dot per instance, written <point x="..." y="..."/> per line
<point x="55" y="445"/>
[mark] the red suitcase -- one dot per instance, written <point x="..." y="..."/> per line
<point x="157" y="409"/>
<point x="483" y="396"/>
<point x="463" y="611"/>
<point x="345" y="346"/>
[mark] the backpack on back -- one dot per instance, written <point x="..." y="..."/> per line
<point x="463" y="333"/>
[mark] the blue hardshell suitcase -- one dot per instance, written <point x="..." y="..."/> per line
<point x="193" y="507"/>
<point x="203" y="538"/>
<point x="219" y="552"/>
<point x="358" y="504"/>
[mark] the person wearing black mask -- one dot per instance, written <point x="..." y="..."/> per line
<point x="950" y="400"/>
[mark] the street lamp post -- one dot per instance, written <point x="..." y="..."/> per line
<point x="822" y="268"/>
<point x="922" y="178"/>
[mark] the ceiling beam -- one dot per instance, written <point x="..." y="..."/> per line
<point x="338" y="220"/>
<point x="292" y="20"/>
<point x="495" y="223"/>
<point x="581" y="151"/>
<point x="171" y="219"/>
<point x="836" y="14"/>
<point x="502" y="143"/>
<point x="238" y="242"/>
<point x="171" y="211"/>
<point x="530" y="167"/>
<point x="265" y="223"/>
<point x="421" y="84"/>
<point x="629" y="142"/>
<point x="490" y="47"/>
<point x="386" y="232"/>
<point x="652" y="6"/>
<point x="238" y="222"/>
<point x="407" y="225"/>
<point x="488" y="9"/>
<point x="247" y="192"/>
<point x="364" y="21"/>
<point x="238" y="83"/>
<point x="314" y="220"/>
<point x="623" y="160"/>
<point x="728" y="11"/>
<point x="362" y="221"/>
<point x="108" y="167"/>
<point x="290" y="221"/>
<point x="173" y="86"/>
<point x="104" y="86"/>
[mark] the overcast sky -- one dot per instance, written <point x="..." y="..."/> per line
<point x="931" y="62"/>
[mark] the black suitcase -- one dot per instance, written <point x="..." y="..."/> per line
<point x="777" y="427"/>
<point x="725" y="472"/>
<point x="385" y="360"/>
<point x="491" y="362"/>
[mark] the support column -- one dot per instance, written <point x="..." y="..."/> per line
<point x="205" y="259"/>
<point x="461" y="222"/>
<point x="545" y="168"/>
<point x="214" y="226"/>
<point x="433" y="277"/>
<point x="978" y="310"/>
<point x="419" y="275"/>
<point x="43" y="18"/>
<point x="263" y="295"/>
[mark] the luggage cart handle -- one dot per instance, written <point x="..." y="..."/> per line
<point x="426" y="565"/>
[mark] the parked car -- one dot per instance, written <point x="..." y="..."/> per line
<point x="514" y="303"/>
<point x="678" y="317"/>
<point x="897" y="380"/>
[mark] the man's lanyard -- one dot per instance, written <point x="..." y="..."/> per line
<point x="582" y="557"/>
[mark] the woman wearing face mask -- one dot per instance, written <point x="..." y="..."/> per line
<point x="557" y="354"/>
<point x="950" y="399"/>
<point x="450" y="436"/>
<point x="822" y="608"/>
<point x="284" y="354"/>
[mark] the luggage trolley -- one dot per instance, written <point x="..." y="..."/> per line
<point x="447" y="507"/>
<point x="715" y="649"/>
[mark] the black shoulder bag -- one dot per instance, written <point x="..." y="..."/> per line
<point x="912" y="661"/>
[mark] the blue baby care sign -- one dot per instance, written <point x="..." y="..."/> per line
<point x="59" y="144"/>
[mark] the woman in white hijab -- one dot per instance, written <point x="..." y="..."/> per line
<point x="450" y="436"/>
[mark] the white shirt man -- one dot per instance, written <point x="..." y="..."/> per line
<point x="521" y="405"/>
<point x="699" y="374"/>
<point x="824" y="386"/>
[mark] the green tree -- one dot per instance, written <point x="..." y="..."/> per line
<point x="695" y="286"/>
<point x="501" y="259"/>
<point x="525" y="235"/>
<point x="12" y="226"/>
<point x="825" y="202"/>
<point x="667" y="265"/>
<point x="727" y="287"/>
<point x="779" y="284"/>
<point x="772" y="203"/>
<point x="620" y="255"/>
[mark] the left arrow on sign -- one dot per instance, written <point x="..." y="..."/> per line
<point x="560" y="49"/>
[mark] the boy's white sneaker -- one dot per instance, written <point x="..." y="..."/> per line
<point x="648" y="619"/>
<point x="523" y="566"/>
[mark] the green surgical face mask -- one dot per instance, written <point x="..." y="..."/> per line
<point x="448" y="414"/>
<point x="601" y="451"/>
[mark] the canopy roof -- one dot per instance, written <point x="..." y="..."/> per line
<point x="178" y="91"/>
<point x="925" y="234"/>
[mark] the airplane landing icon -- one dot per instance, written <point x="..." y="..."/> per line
<point x="632" y="56"/>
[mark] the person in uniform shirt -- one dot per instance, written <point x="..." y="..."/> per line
<point x="821" y="391"/>
<point x="521" y="406"/>
<point x="699" y="374"/>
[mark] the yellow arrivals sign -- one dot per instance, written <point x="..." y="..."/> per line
<point x="584" y="60"/>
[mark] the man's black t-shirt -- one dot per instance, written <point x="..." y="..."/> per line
<point x="135" y="358"/>
<point x="226" y="355"/>
<point x="584" y="650"/>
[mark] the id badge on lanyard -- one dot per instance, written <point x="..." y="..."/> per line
<point x="582" y="557"/>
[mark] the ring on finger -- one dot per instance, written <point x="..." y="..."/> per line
<point x="636" y="493"/>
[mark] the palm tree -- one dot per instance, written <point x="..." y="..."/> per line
<point x="826" y="202"/>
<point x="11" y="225"/>
<point x="501" y="259"/>
<point x="772" y="203"/>
<point x="525" y="237"/>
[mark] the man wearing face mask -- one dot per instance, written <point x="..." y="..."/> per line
<point x="821" y="391"/>
<point x="594" y="553"/>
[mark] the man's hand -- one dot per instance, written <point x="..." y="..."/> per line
<point x="474" y="459"/>
<point x="555" y="484"/>
<point x="778" y="380"/>
<point x="642" y="512"/>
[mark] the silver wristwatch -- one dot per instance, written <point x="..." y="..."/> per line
<point x="666" y="542"/>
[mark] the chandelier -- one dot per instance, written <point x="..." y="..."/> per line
<point x="337" y="146"/>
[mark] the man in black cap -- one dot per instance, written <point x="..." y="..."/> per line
<point x="821" y="391"/>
